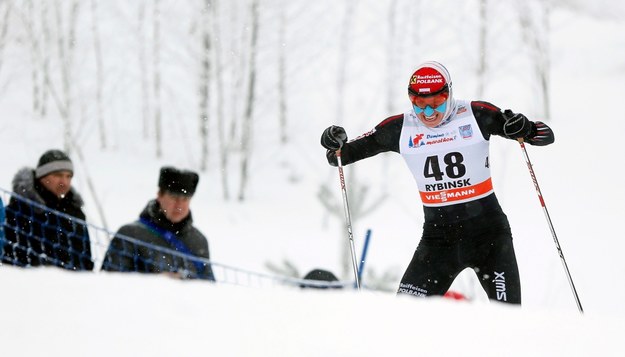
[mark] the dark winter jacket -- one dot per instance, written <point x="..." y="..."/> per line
<point x="153" y="244"/>
<point x="42" y="229"/>
<point x="1" y="226"/>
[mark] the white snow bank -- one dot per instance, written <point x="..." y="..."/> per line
<point x="56" y="313"/>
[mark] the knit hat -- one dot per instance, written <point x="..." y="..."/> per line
<point x="53" y="161"/>
<point x="178" y="182"/>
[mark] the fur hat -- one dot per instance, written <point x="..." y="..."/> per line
<point x="178" y="182"/>
<point x="53" y="161"/>
<point x="320" y="275"/>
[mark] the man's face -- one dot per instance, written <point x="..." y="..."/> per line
<point x="59" y="182"/>
<point x="175" y="207"/>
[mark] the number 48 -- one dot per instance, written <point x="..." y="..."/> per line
<point x="453" y="166"/>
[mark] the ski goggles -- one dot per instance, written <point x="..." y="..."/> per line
<point x="429" y="104"/>
<point x="433" y="101"/>
<point x="428" y="110"/>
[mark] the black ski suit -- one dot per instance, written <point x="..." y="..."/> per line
<point x="471" y="234"/>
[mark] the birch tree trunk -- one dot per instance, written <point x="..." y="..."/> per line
<point x="282" y="109"/>
<point x="224" y="145"/>
<point x="99" y="73"/>
<point x="391" y="55"/>
<point x="535" y="30"/>
<point x="4" y="28"/>
<point x="236" y="69"/>
<point x="482" y="46"/>
<point x="35" y="54"/>
<point x="39" y="44"/>
<point x="65" y="43"/>
<point x="143" y="70"/>
<point x="45" y="46"/>
<point x="246" y="129"/>
<point x="343" y="59"/>
<point x="204" y="87"/>
<point x="156" y="74"/>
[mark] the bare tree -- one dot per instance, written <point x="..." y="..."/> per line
<point x="223" y="143"/>
<point x="282" y="110"/>
<point x="204" y="84"/>
<point x="35" y="54"/>
<point x="39" y="54"/>
<point x="359" y="208"/>
<point x="535" y="31"/>
<point x="344" y="48"/>
<point x="482" y="42"/>
<point x="391" y="54"/>
<point x="237" y="63"/>
<point x="246" y="129"/>
<point x="65" y="39"/>
<point x="45" y="46"/>
<point x="99" y="73"/>
<point x="156" y="74"/>
<point x="65" y="48"/>
<point x="143" y="70"/>
<point x="4" y="27"/>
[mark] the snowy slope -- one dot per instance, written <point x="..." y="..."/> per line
<point x="111" y="315"/>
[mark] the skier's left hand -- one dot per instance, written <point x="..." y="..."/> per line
<point x="333" y="138"/>
<point x="517" y="126"/>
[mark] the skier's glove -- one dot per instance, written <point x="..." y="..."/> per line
<point x="517" y="126"/>
<point x="333" y="138"/>
<point x="541" y="134"/>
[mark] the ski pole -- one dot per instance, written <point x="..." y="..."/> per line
<point x="553" y="232"/>
<point x="363" y="256"/>
<point x="348" y="218"/>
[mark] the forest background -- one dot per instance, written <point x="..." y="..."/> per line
<point x="241" y="90"/>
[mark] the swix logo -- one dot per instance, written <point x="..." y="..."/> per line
<point x="500" y="286"/>
<point x="416" y="141"/>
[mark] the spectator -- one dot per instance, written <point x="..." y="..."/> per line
<point x="321" y="275"/>
<point x="1" y="229"/>
<point x="45" y="224"/>
<point x="163" y="239"/>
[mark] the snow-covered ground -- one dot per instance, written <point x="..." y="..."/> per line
<point x="55" y="313"/>
<point x="50" y="312"/>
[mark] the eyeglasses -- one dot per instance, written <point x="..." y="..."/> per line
<point x="428" y="104"/>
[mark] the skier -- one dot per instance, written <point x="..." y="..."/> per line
<point x="445" y="143"/>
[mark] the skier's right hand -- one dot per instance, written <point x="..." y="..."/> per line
<point x="517" y="126"/>
<point x="333" y="138"/>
